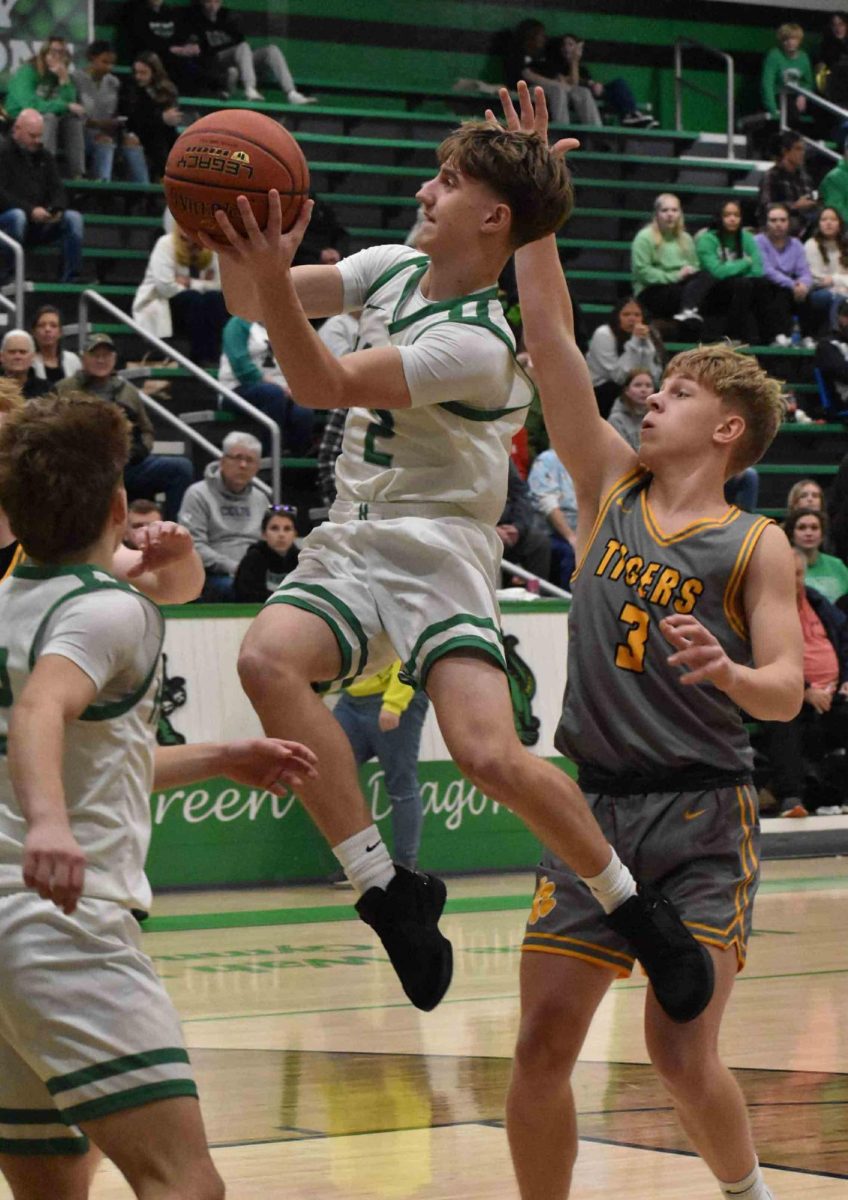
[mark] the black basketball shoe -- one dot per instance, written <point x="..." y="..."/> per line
<point x="679" y="968"/>
<point x="405" y="916"/>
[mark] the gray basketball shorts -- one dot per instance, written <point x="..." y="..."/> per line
<point x="702" y="848"/>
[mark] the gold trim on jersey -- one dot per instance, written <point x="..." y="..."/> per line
<point x="17" y="558"/>
<point x="621" y="485"/>
<point x="733" y="608"/>
<point x="697" y="526"/>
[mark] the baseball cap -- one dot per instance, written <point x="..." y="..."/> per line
<point x="98" y="339"/>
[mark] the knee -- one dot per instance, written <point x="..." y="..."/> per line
<point x="15" y="223"/>
<point x="682" y="1067"/>
<point x="103" y="139"/>
<point x="546" y="1044"/>
<point x="263" y="669"/>
<point x="489" y="765"/>
<point x="72" y="221"/>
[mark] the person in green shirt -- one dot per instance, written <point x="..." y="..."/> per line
<point x="44" y="83"/>
<point x="833" y="189"/>
<point x="666" y="275"/>
<point x="786" y="63"/>
<point x="806" y="529"/>
<point x="729" y="255"/>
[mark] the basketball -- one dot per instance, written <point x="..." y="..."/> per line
<point x="227" y="154"/>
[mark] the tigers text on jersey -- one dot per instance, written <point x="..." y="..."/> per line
<point x="113" y="634"/>
<point x="625" y="709"/>
<point x="448" y="454"/>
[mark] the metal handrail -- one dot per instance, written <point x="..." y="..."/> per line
<point x="544" y="586"/>
<point x="680" y="83"/>
<point x="90" y="296"/>
<point x="822" y="103"/>
<point x="18" y="252"/>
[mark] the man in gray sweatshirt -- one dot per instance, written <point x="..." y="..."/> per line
<point x="224" y="513"/>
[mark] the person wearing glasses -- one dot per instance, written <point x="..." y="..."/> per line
<point x="268" y="561"/>
<point x="223" y="513"/>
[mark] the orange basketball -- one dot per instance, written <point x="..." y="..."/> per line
<point x="231" y="153"/>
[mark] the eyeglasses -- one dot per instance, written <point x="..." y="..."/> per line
<point x="245" y="460"/>
<point x="283" y="510"/>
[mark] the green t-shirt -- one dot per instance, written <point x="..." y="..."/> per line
<point x="652" y="263"/>
<point x="778" y="69"/>
<point x="828" y="575"/>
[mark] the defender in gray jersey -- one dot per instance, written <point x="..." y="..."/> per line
<point x="90" y="1044"/>
<point x="406" y="566"/>
<point x="663" y="565"/>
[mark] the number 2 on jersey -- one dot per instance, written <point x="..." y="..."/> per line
<point x="384" y="427"/>
<point x="630" y="654"/>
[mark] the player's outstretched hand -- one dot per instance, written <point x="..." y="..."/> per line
<point x="54" y="865"/>
<point x="531" y="118"/>
<point x="161" y="543"/>
<point x="270" y="763"/>
<point x="698" y="652"/>
<point x="264" y="252"/>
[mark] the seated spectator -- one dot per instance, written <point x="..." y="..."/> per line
<point x="10" y="550"/>
<point x="249" y="368"/>
<point x="832" y="356"/>
<point x="33" y="205"/>
<point x="526" y="58"/>
<point x="797" y="749"/>
<point x="325" y="237"/>
<point x="628" y="411"/>
<point x="522" y="531"/>
<point x="148" y="99"/>
<point x="51" y="362"/>
<point x="806" y="493"/>
<point x="827" y="254"/>
<point x="729" y="255"/>
<point x="98" y="91"/>
<point x="340" y="334"/>
<point x="140" y="514"/>
<point x="832" y="68"/>
<point x="788" y="183"/>
<point x="806" y="529"/>
<point x="743" y="489"/>
<point x="17" y="351"/>
<point x="146" y="475"/>
<point x="624" y="344"/>
<point x="223" y="513"/>
<point x="267" y="562"/>
<point x="786" y="63"/>
<point x="553" y="495"/>
<point x="565" y="63"/>
<point x="667" y="280"/>
<point x="181" y="295"/>
<point x="44" y="84"/>
<point x="788" y="276"/>
<point x="153" y="27"/>
<point x="833" y="189"/>
<point x="223" y="46"/>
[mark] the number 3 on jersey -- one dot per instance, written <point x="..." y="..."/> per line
<point x="630" y="654"/>
<point x="383" y="427"/>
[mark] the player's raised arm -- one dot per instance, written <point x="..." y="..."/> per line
<point x="319" y="288"/>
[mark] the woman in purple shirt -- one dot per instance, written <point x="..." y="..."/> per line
<point x="787" y="271"/>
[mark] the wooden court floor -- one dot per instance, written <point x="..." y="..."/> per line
<point x="318" y="1079"/>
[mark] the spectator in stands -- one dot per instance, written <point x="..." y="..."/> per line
<point x="832" y="357"/>
<point x="51" y="362"/>
<point x="628" y="411"/>
<point x="152" y="27"/>
<point x="837" y="507"/>
<point x="17" y="351"/>
<point x="44" y="84"/>
<point x="743" y="489"/>
<point x="223" y="513"/>
<point x="806" y="493"/>
<point x="181" y="295"/>
<point x="620" y="346"/>
<point x="729" y="255"/>
<point x="33" y="205"/>
<point x="10" y="551"/>
<point x="553" y="495"/>
<point x="325" y="237"/>
<point x="146" y="475"/>
<point x="526" y="58"/>
<point x="223" y="45"/>
<point x="788" y="183"/>
<point x="267" y="562"/>
<point x="806" y="529"/>
<point x="833" y="189"/>
<point x="99" y="91"/>
<point x="249" y="368"/>
<point x="667" y="279"/>
<point x="786" y="63"/>
<point x="797" y="748"/>
<point x="148" y="100"/>
<point x="827" y="254"/>
<point x="788" y="275"/>
<point x="565" y="63"/>
<point x="141" y="513"/>
<point x="522" y="531"/>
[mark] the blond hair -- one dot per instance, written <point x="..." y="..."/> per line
<point x="740" y="383"/>
<point x="520" y="169"/>
<point x="678" y="230"/>
<point x="792" y="500"/>
<point x="789" y="29"/>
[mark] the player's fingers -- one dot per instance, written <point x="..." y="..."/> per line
<point x="229" y="231"/>
<point x="564" y="146"/>
<point x="303" y="218"/>
<point x="510" y="115"/>
<point x="255" y="235"/>
<point x="274" y="224"/>
<point x="539" y="110"/>
<point x="491" y="118"/>
<point x="525" y="106"/>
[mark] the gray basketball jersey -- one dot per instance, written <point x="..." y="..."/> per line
<point x="625" y="710"/>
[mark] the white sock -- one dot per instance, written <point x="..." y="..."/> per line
<point x="365" y="860"/>
<point x="752" y="1187"/>
<point x="613" y="886"/>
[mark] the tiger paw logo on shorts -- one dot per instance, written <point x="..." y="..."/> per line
<point x="543" y="901"/>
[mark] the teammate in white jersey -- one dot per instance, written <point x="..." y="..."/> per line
<point x="407" y="565"/>
<point x="90" y="1044"/>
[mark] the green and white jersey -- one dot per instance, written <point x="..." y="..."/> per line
<point x="113" y="634"/>
<point x="448" y="454"/>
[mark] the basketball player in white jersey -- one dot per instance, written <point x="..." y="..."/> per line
<point x="91" y="1049"/>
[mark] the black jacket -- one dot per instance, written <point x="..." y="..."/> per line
<point x="260" y="571"/>
<point x="143" y="29"/>
<point x="29" y="180"/>
<point x="835" y="626"/>
<point x="211" y="36"/>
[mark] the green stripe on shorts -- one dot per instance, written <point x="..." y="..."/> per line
<point x="344" y="611"/>
<point x="43" y="1146"/>
<point x="29" y="1116"/>
<point x="131" y="1098"/>
<point x="449" y="623"/>
<point x="116" y="1066"/>
<point x="468" y="641"/>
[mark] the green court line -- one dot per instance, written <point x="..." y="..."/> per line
<point x="327" y="913"/>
